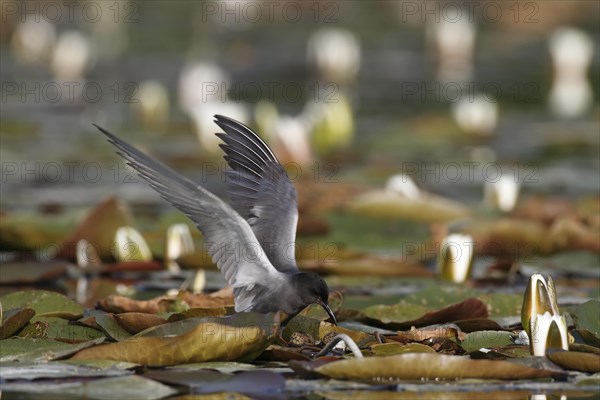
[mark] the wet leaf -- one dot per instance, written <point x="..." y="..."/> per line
<point x="486" y="339"/>
<point x="59" y="329"/>
<point x="390" y="349"/>
<point x="436" y="331"/>
<point x="13" y="320"/>
<point x="587" y="321"/>
<point x="255" y="383"/>
<point x="394" y="317"/>
<point x="44" y="303"/>
<point x="423" y="365"/>
<point x="131" y="387"/>
<point x="108" y="324"/>
<point x="573" y="360"/>
<point x="30" y="350"/>
<point x="218" y="339"/>
<point x="137" y="322"/>
<point x="98" y="228"/>
<point x="280" y="353"/>
<point x="185" y="300"/>
<point x="30" y="371"/>
<point x="201" y="313"/>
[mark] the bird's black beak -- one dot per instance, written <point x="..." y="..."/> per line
<point x="327" y="309"/>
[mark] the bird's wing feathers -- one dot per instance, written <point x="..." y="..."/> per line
<point x="230" y="241"/>
<point x="261" y="192"/>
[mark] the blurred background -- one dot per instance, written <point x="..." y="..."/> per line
<point x="399" y="121"/>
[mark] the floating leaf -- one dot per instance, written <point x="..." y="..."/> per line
<point x="108" y="324"/>
<point x="413" y="366"/>
<point x="185" y="300"/>
<point x="131" y="387"/>
<point x="137" y="322"/>
<point x="44" y="303"/>
<point x="254" y="383"/>
<point x="394" y="317"/>
<point x="221" y="339"/>
<point x="29" y="350"/>
<point x="201" y="313"/>
<point x="574" y="360"/>
<point x="13" y="320"/>
<point x="27" y="371"/>
<point x="486" y="339"/>
<point x="587" y="321"/>
<point x="59" y="329"/>
<point x="390" y="349"/>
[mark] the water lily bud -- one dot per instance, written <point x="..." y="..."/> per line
<point x="179" y="243"/>
<point x="404" y="185"/>
<point x="503" y="193"/>
<point x="131" y="246"/>
<point x="86" y="254"/>
<point x="548" y="332"/>
<point x="540" y="297"/>
<point x="456" y="257"/>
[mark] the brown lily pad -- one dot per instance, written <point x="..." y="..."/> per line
<point x="413" y="366"/>
<point x="574" y="360"/>
<point x="135" y="322"/>
<point x="14" y="320"/>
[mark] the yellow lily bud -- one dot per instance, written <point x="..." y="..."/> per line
<point x="131" y="246"/>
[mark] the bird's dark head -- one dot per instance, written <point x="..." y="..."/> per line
<point x="312" y="289"/>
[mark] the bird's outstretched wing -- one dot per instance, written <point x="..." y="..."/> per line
<point x="229" y="239"/>
<point x="261" y="192"/>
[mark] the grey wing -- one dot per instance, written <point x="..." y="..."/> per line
<point x="261" y="192"/>
<point x="229" y="239"/>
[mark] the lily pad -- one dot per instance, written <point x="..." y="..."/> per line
<point x="587" y="321"/>
<point x="52" y="370"/>
<point x="209" y="340"/>
<point x="59" y="329"/>
<point x="131" y="387"/>
<point x="574" y="360"/>
<point x="486" y="339"/>
<point x="394" y="317"/>
<point x="35" y="350"/>
<point x="13" y="320"/>
<point x="390" y="349"/>
<point x="44" y="303"/>
<point x="413" y="366"/>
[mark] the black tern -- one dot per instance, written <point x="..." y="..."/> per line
<point x="252" y="241"/>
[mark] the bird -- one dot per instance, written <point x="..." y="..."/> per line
<point x="251" y="240"/>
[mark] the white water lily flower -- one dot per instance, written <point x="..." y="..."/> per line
<point x="456" y="257"/>
<point x="131" y="246"/>
<point x="179" y="243"/>
<point x="548" y="332"/>
<point x="541" y="318"/>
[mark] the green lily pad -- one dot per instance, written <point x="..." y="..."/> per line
<point x="486" y="339"/>
<point x="34" y="350"/>
<point x="59" y="329"/>
<point x="587" y="321"/>
<point x="44" y="303"/>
